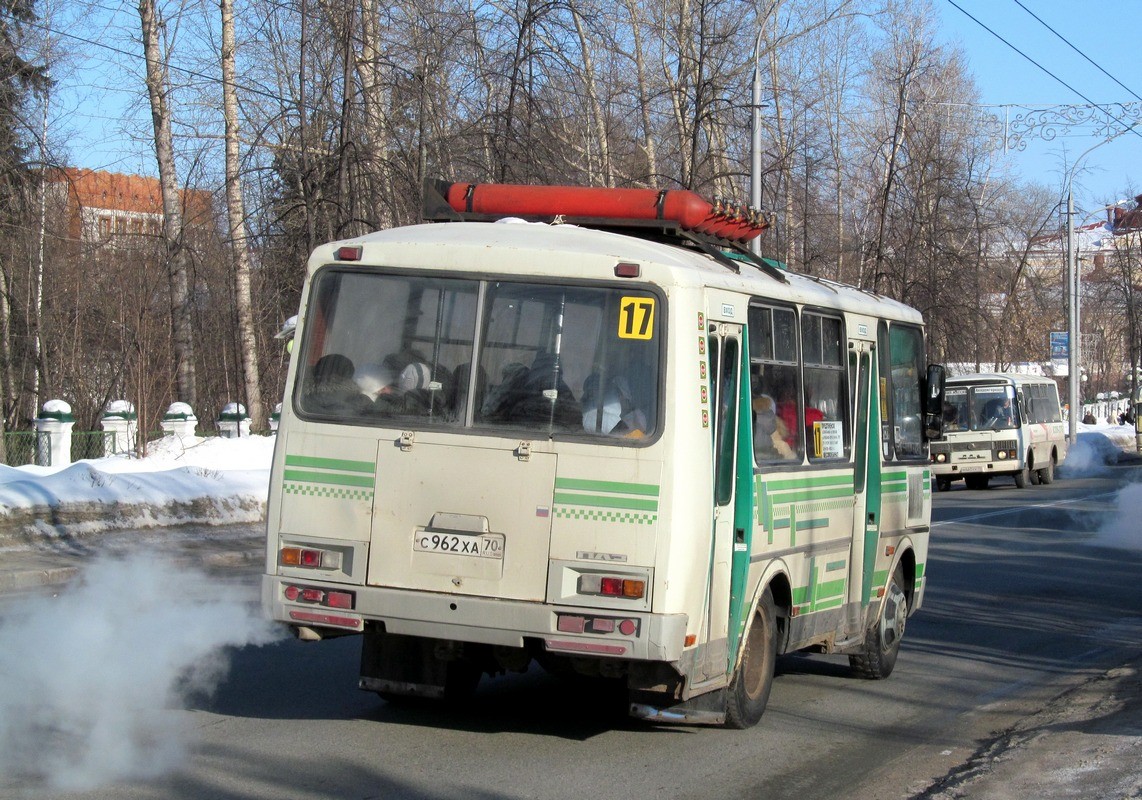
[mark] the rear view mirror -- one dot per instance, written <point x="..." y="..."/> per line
<point x="934" y="402"/>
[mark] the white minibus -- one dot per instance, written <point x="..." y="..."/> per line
<point x="999" y="424"/>
<point x="589" y="428"/>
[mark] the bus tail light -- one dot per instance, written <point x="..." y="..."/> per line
<point x="309" y="558"/>
<point x="316" y="596"/>
<point x="579" y="623"/>
<point x="612" y="586"/>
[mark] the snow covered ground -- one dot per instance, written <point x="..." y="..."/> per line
<point x="224" y="481"/>
<point x="181" y="480"/>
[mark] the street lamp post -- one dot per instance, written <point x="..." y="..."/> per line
<point x="1074" y="288"/>
<point x="755" y="142"/>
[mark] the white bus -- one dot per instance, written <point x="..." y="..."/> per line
<point x="643" y="455"/>
<point x="999" y="424"/>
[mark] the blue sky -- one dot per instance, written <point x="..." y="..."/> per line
<point x="99" y="102"/>
<point x="1106" y="34"/>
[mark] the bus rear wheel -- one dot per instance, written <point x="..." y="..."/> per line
<point x="877" y="657"/>
<point x="753" y="680"/>
<point x="1047" y="473"/>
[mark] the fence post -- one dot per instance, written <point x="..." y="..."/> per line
<point x="122" y="426"/>
<point x="179" y="420"/>
<point x="276" y="418"/>
<point x="233" y="422"/>
<point x="53" y="434"/>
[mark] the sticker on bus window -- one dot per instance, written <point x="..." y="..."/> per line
<point x="636" y="318"/>
<point x="828" y="439"/>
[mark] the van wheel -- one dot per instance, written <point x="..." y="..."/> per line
<point x="882" y="641"/>
<point x="1047" y="473"/>
<point x="1022" y="477"/>
<point x="749" y="690"/>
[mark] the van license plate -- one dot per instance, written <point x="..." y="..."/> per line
<point x="486" y="545"/>
<point x="972" y="468"/>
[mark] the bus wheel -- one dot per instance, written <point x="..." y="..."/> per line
<point x="943" y="484"/>
<point x="749" y="689"/>
<point x="1047" y="473"/>
<point x="1022" y="478"/>
<point x="882" y="641"/>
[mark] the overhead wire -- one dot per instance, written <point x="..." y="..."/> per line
<point x="1068" y="43"/>
<point x="1100" y="106"/>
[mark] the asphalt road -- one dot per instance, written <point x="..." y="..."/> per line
<point x="1025" y="602"/>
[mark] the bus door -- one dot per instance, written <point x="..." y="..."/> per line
<point x="867" y="395"/>
<point x="728" y="602"/>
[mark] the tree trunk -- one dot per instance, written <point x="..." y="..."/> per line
<point x="176" y="256"/>
<point x="236" y="214"/>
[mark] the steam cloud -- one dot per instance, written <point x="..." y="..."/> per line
<point x="91" y="678"/>
<point x="1121" y="528"/>
<point x="1089" y="457"/>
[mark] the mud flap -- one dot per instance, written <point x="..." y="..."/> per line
<point x="403" y="665"/>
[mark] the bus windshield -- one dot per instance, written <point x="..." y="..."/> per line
<point x="980" y="408"/>
<point x="404" y="349"/>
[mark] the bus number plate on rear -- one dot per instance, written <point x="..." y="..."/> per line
<point x="486" y="545"/>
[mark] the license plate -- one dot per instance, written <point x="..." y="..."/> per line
<point x="972" y="468"/>
<point x="484" y="545"/>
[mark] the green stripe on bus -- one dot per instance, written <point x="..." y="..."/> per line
<point x="829" y="589"/>
<point x="833" y="566"/>
<point x="819" y="595"/>
<point x="598" y="501"/>
<point x="330" y="463"/>
<point x="334" y="478"/>
<point x="780" y="485"/>
<point x="806" y="495"/>
<point x="822" y="522"/>
<point x="645" y="489"/>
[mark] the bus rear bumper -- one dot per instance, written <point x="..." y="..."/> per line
<point x="567" y="630"/>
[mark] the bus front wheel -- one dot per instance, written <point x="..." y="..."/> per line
<point x="882" y="641"/>
<point x="1022" y="478"/>
<point x="749" y="689"/>
<point x="943" y="484"/>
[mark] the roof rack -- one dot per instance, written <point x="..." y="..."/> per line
<point x="676" y="216"/>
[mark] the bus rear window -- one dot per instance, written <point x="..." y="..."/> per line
<point x="400" y="349"/>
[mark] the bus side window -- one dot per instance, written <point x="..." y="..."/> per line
<point x="826" y="384"/>
<point x="773" y="384"/>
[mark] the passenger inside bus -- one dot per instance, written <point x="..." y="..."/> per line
<point x="374" y="380"/>
<point x="613" y="411"/>
<point x="769" y="431"/>
<point x="998" y="413"/>
<point x="537" y="396"/>
<point x="951" y="417"/>
<point x="332" y="388"/>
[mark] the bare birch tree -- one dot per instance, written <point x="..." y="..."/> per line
<point x="236" y="214"/>
<point x="158" y="91"/>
